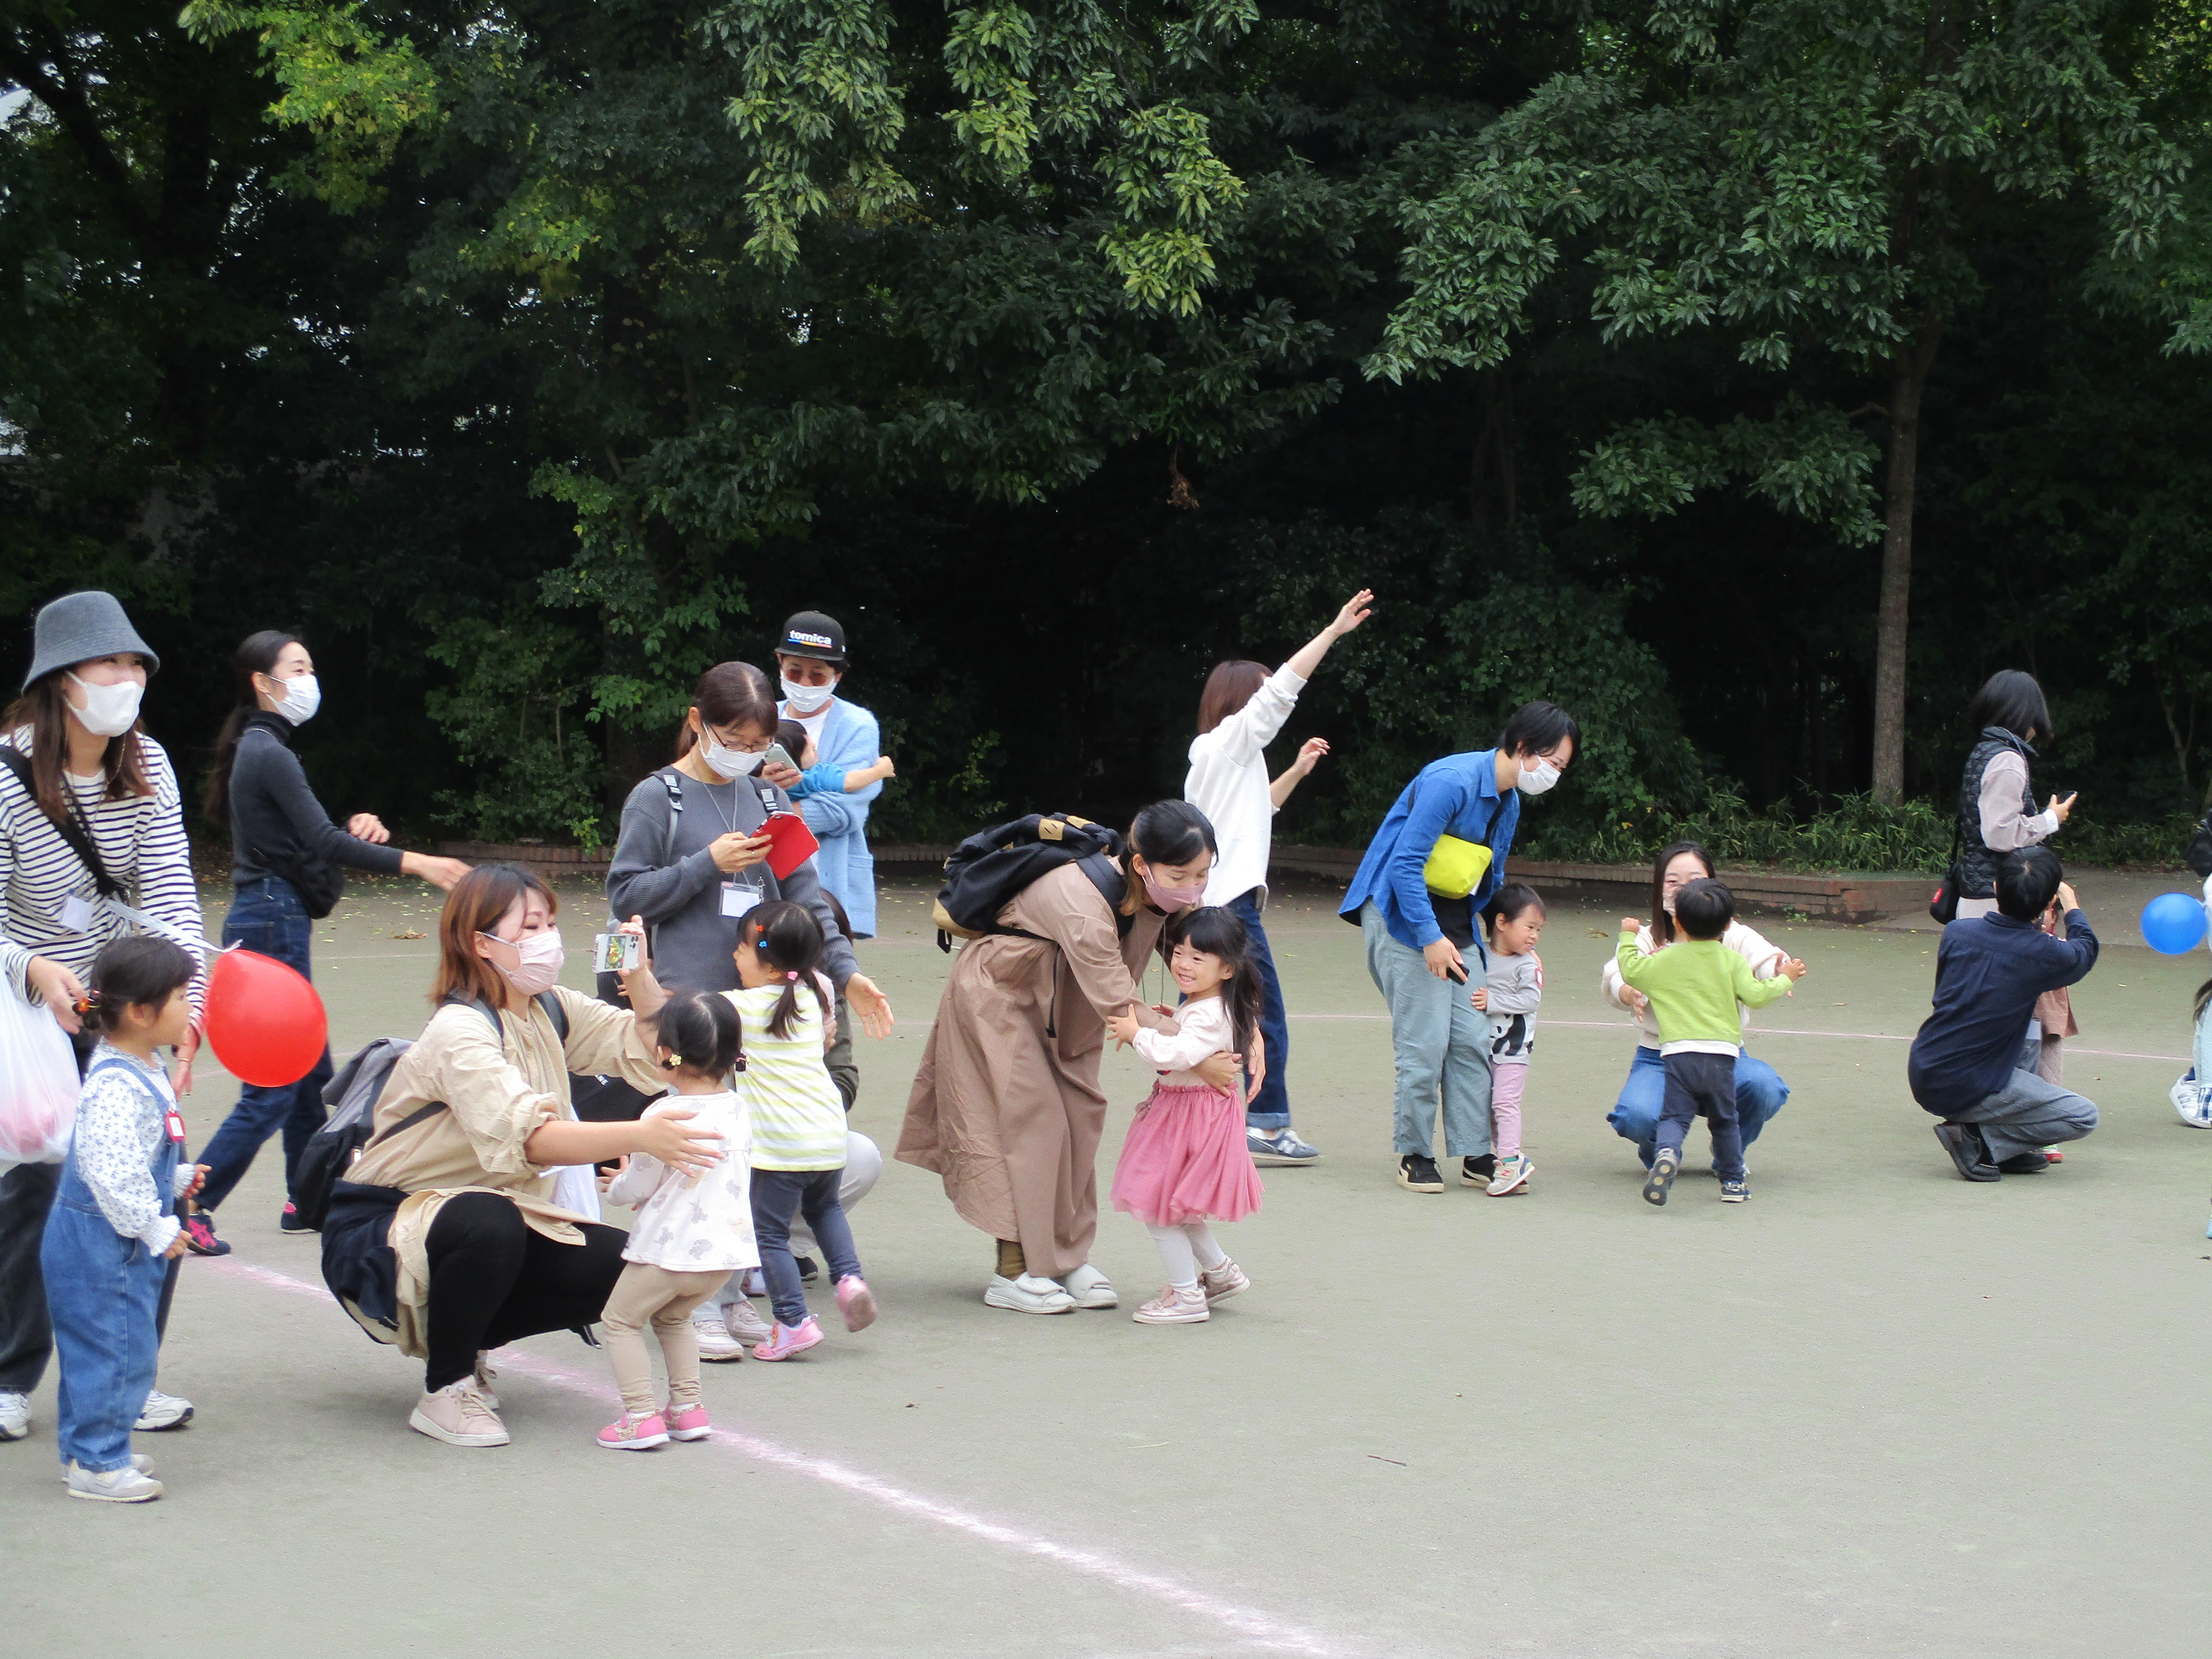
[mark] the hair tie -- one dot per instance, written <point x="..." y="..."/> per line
<point x="793" y="977"/>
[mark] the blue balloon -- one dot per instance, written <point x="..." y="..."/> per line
<point x="2174" y="923"/>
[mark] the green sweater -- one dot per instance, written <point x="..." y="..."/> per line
<point x="1694" y="985"/>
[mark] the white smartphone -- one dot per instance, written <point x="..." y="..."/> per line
<point x="777" y="754"/>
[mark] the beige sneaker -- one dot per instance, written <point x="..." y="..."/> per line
<point x="1220" y="1284"/>
<point x="457" y="1414"/>
<point x="716" y="1346"/>
<point x="139" y="1462"/>
<point x="124" y="1485"/>
<point x="742" y="1320"/>
<point x="485" y="1375"/>
<point x="1175" y="1307"/>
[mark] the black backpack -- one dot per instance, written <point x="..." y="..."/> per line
<point x="352" y="1095"/>
<point x="989" y="869"/>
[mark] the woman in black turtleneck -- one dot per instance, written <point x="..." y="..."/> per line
<point x="285" y="855"/>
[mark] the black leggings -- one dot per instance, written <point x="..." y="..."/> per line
<point x="494" y="1278"/>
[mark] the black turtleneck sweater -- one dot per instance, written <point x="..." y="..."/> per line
<point x="273" y="813"/>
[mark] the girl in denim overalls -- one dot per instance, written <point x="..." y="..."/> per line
<point x="113" y="1226"/>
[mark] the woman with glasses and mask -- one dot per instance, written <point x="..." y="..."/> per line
<point x="689" y="859"/>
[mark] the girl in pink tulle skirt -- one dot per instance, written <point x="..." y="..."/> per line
<point x="1186" y="1162"/>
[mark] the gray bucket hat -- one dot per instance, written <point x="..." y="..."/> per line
<point x="79" y="627"/>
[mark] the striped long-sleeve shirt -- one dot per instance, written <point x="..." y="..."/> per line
<point x="141" y="839"/>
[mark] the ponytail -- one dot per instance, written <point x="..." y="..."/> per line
<point x="256" y="654"/>
<point x="786" y="938"/>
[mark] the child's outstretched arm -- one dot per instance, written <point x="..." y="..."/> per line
<point x="860" y="777"/>
<point x="1634" y="966"/>
<point x="1755" y="992"/>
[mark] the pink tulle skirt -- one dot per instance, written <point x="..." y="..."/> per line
<point x="1186" y="1160"/>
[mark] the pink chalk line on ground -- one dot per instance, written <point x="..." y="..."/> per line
<point x="1256" y="1628"/>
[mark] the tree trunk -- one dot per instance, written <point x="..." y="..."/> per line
<point x="1908" y="380"/>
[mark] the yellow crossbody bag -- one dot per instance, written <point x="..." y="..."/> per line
<point x="1455" y="867"/>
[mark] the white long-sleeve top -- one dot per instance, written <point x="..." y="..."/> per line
<point x="702" y="1222"/>
<point x="140" y="839"/>
<point x="122" y="1114"/>
<point x="2004" y="786"/>
<point x="1228" y="782"/>
<point x="1766" y="960"/>
<point x="1201" y="1030"/>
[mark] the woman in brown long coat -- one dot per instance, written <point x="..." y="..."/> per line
<point x="1006" y="1106"/>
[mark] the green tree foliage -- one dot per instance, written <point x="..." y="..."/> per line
<point x="1801" y="176"/>
<point x="527" y="359"/>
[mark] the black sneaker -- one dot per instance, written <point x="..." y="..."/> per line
<point x="1969" y="1151"/>
<point x="1417" y="1174"/>
<point x="2025" y="1163"/>
<point x="1479" y="1172"/>
<point x="808" y="1268"/>
<point x="287" y="1220"/>
<point x="1656" y="1185"/>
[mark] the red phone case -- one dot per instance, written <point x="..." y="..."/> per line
<point x="794" y="842"/>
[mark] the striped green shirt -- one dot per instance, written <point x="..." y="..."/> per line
<point x="798" y="1118"/>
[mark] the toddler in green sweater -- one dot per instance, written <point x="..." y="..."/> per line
<point x="1694" y="985"/>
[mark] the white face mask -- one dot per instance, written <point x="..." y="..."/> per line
<point x="109" y="711"/>
<point x="808" y="699"/>
<point x="1537" y="777"/>
<point x="726" y="764"/>
<point x="539" y="958"/>
<point x="302" y="697"/>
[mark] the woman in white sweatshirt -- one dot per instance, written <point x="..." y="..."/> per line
<point x="1239" y="713"/>
<point x="1759" y="1089"/>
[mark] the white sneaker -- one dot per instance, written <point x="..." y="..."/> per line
<point x="1175" y="1307"/>
<point x="1028" y="1294"/>
<point x="1221" y="1282"/>
<point x="163" y="1411"/>
<point x="457" y="1414"/>
<point x="1090" y="1288"/>
<point x="1512" y="1176"/>
<point x="125" y="1486"/>
<point x="139" y="1462"/>
<point x="15" y="1416"/>
<point x="755" y="1284"/>
<point x="716" y="1346"/>
<point x="744" y="1322"/>
<point x="485" y="1375"/>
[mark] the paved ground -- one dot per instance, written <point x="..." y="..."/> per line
<point x="1876" y="1411"/>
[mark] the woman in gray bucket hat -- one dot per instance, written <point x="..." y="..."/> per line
<point x="74" y="753"/>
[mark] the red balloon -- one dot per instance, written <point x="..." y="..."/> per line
<point x="264" y="1020"/>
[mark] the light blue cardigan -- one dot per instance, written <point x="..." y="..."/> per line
<point x="850" y="739"/>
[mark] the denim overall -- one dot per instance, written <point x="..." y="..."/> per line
<point x="102" y="1290"/>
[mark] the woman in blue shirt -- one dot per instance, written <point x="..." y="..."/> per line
<point x="1415" y="938"/>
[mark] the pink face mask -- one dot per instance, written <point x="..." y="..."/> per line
<point x="1172" y="899"/>
<point x="538" y="959"/>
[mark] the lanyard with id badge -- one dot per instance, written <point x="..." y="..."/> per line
<point x="740" y="893"/>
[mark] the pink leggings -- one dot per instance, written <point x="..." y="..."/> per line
<point x="1506" y="1083"/>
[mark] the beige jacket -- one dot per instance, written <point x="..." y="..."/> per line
<point x="498" y="1093"/>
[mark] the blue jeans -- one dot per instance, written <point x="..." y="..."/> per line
<point x="1760" y="1092"/>
<point x="266" y="917"/>
<point x="1271" y="1108"/>
<point x="102" y="1291"/>
<point x="779" y="1194"/>
<point x="1440" y="1046"/>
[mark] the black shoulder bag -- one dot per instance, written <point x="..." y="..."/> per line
<point x="69" y="827"/>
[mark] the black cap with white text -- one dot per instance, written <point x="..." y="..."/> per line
<point x="811" y="633"/>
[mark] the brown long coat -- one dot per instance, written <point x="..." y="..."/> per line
<point x="1009" y="1117"/>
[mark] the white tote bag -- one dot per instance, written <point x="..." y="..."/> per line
<point x="38" y="1084"/>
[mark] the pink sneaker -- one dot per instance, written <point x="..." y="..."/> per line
<point x="856" y="1302"/>
<point x="689" y="1424"/>
<point x="789" y="1339"/>
<point x="628" y="1433"/>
